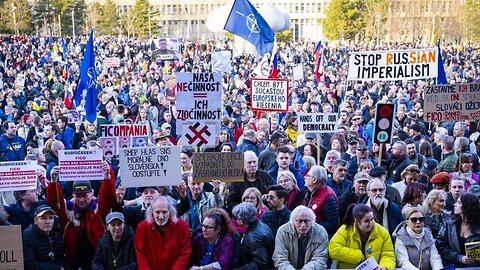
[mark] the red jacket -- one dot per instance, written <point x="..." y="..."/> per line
<point x="168" y="251"/>
<point x="92" y="222"/>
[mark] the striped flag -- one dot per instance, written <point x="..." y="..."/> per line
<point x="319" y="55"/>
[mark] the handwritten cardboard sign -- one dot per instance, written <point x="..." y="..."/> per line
<point x="227" y="166"/>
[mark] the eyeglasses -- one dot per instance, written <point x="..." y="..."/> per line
<point x="375" y="190"/>
<point x="271" y="197"/>
<point x="207" y="227"/>
<point x="417" y="219"/>
<point x="301" y="221"/>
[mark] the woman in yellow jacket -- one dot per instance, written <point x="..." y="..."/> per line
<point x="360" y="238"/>
<point x="292" y="130"/>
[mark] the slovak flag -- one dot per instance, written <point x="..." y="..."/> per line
<point x="274" y="67"/>
<point x="319" y="59"/>
<point x="68" y="100"/>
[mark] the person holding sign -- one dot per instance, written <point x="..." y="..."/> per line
<point x="359" y="238"/>
<point x="81" y="219"/>
<point x="464" y="228"/>
<point x="42" y="245"/>
<point x="415" y="246"/>
<point x="196" y="202"/>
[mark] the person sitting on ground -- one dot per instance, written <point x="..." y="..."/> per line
<point x="414" y="245"/>
<point x="360" y="238"/>
<point x="301" y="243"/>
<point x="115" y="249"/>
<point x="42" y="243"/>
<point x="214" y="247"/>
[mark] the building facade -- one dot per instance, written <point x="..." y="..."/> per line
<point x="187" y="18"/>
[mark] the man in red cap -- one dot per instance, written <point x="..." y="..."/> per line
<point x="82" y="218"/>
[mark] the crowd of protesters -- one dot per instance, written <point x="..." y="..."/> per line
<point x="306" y="202"/>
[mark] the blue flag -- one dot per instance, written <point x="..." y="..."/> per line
<point x="441" y="77"/>
<point x="245" y="21"/>
<point x="301" y="164"/>
<point x="88" y="82"/>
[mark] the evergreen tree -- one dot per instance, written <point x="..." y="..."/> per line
<point x="109" y="18"/>
<point x="140" y="12"/>
<point x="345" y="19"/>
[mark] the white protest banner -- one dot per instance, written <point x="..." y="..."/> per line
<point x="269" y="94"/>
<point x="393" y="65"/>
<point x="368" y="264"/>
<point x="227" y="166"/>
<point x="263" y="68"/>
<point x="20" y="81"/>
<point x="11" y="248"/>
<point x="18" y="175"/>
<point x="221" y="61"/>
<point x="80" y="165"/>
<point x="150" y="166"/>
<point x="111" y="62"/>
<point x="318" y="122"/>
<point x="199" y="105"/>
<point x="452" y="102"/>
<point x="298" y="72"/>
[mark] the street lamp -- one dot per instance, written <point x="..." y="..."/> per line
<point x="14" y="19"/>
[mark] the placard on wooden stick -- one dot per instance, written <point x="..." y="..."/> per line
<point x="226" y="167"/>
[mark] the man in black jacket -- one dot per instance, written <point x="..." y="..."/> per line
<point x="115" y="249"/>
<point x="42" y="245"/>
<point x="399" y="162"/>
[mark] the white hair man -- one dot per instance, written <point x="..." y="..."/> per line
<point x="301" y="243"/>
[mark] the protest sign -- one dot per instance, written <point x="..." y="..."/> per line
<point x="262" y="70"/>
<point x="473" y="250"/>
<point x="298" y="72"/>
<point x="199" y="107"/>
<point x="18" y="175"/>
<point x="11" y="248"/>
<point x="368" y="264"/>
<point x="452" y="102"/>
<point x="80" y="165"/>
<point x="221" y="61"/>
<point x="393" y="65"/>
<point x="111" y="62"/>
<point x="123" y="136"/>
<point x="227" y="166"/>
<point x="269" y="95"/>
<point x="150" y="166"/>
<point x="317" y="122"/>
<point x="20" y="81"/>
<point x="109" y="147"/>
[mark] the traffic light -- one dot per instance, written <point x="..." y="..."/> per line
<point x="383" y="128"/>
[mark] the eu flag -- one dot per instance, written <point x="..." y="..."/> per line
<point x="88" y="82"/>
<point x="441" y="77"/>
<point x="245" y="21"/>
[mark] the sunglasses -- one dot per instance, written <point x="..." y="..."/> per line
<point x="417" y="219"/>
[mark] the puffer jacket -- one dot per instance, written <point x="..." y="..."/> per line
<point x="345" y="247"/>
<point x="410" y="257"/>
<point x="256" y="248"/>
<point x="37" y="247"/>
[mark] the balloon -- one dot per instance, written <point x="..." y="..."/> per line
<point x="218" y="17"/>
